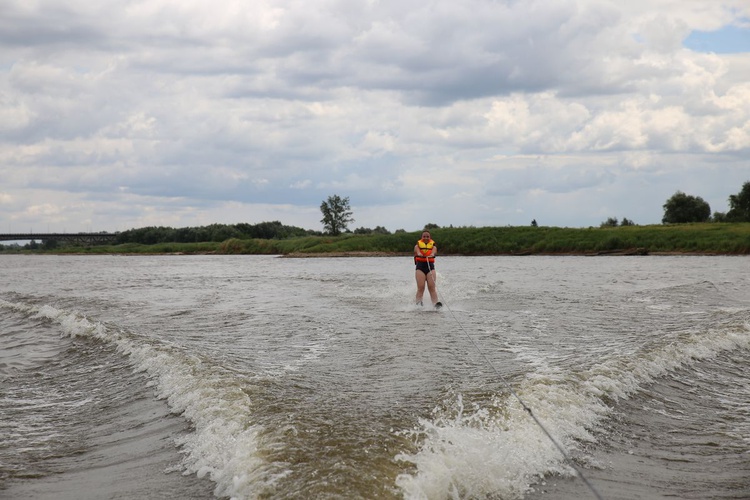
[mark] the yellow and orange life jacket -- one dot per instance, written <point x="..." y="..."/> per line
<point x="425" y="249"/>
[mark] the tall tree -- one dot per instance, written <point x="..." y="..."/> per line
<point x="683" y="207"/>
<point x="336" y="214"/>
<point x="739" y="205"/>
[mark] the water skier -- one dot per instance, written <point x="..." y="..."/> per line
<point x="425" y="252"/>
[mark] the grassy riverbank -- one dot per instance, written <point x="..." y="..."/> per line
<point x="708" y="238"/>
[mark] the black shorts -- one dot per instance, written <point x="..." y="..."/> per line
<point x="425" y="267"/>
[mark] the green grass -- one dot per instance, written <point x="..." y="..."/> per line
<point x="705" y="238"/>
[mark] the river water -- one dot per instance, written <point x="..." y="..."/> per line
<point x="194" y="377"/>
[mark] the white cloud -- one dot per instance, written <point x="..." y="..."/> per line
<point x="163" y="113"/>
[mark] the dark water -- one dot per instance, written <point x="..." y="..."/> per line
<point x="259" y="377"/>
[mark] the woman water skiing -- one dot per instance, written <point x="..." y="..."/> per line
<point x="425" y="252"/>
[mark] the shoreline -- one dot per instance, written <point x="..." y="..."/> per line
<point x="608" y="253"/>
<point x="358" y="254"/>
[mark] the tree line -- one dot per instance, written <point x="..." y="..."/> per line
<point x="681" y="208"/>
<point x="214" y="232"/>
<point x="337" y="215"/>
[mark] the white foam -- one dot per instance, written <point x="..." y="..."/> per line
<point x="224" y="444"/>
<point x="483" y="452"/>
<point x="497" y="450"/>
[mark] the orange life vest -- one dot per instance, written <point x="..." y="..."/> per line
<point x="425" y="249"/>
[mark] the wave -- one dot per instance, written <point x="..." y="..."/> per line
<point x="26" y="346"/>
<point x="472" y="446"/>
<point x="224" y="445"/>
<point x="492" y="448"/>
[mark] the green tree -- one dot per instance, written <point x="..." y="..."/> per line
<point x="336" y="214"/>
<point x="610" y="222"/>
<point x="682" y="208"/>
<point x="739" y="205"/>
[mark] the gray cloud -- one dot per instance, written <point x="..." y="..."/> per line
<point x="487" y="112"/>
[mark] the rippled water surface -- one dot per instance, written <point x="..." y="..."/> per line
<point x="263" y="377"/>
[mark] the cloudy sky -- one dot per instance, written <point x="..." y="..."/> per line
<point x="117" y="114"/>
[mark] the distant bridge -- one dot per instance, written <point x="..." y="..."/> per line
<point x="85" y="238"/>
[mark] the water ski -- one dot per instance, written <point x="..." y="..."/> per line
<point x="436" y="307"/>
